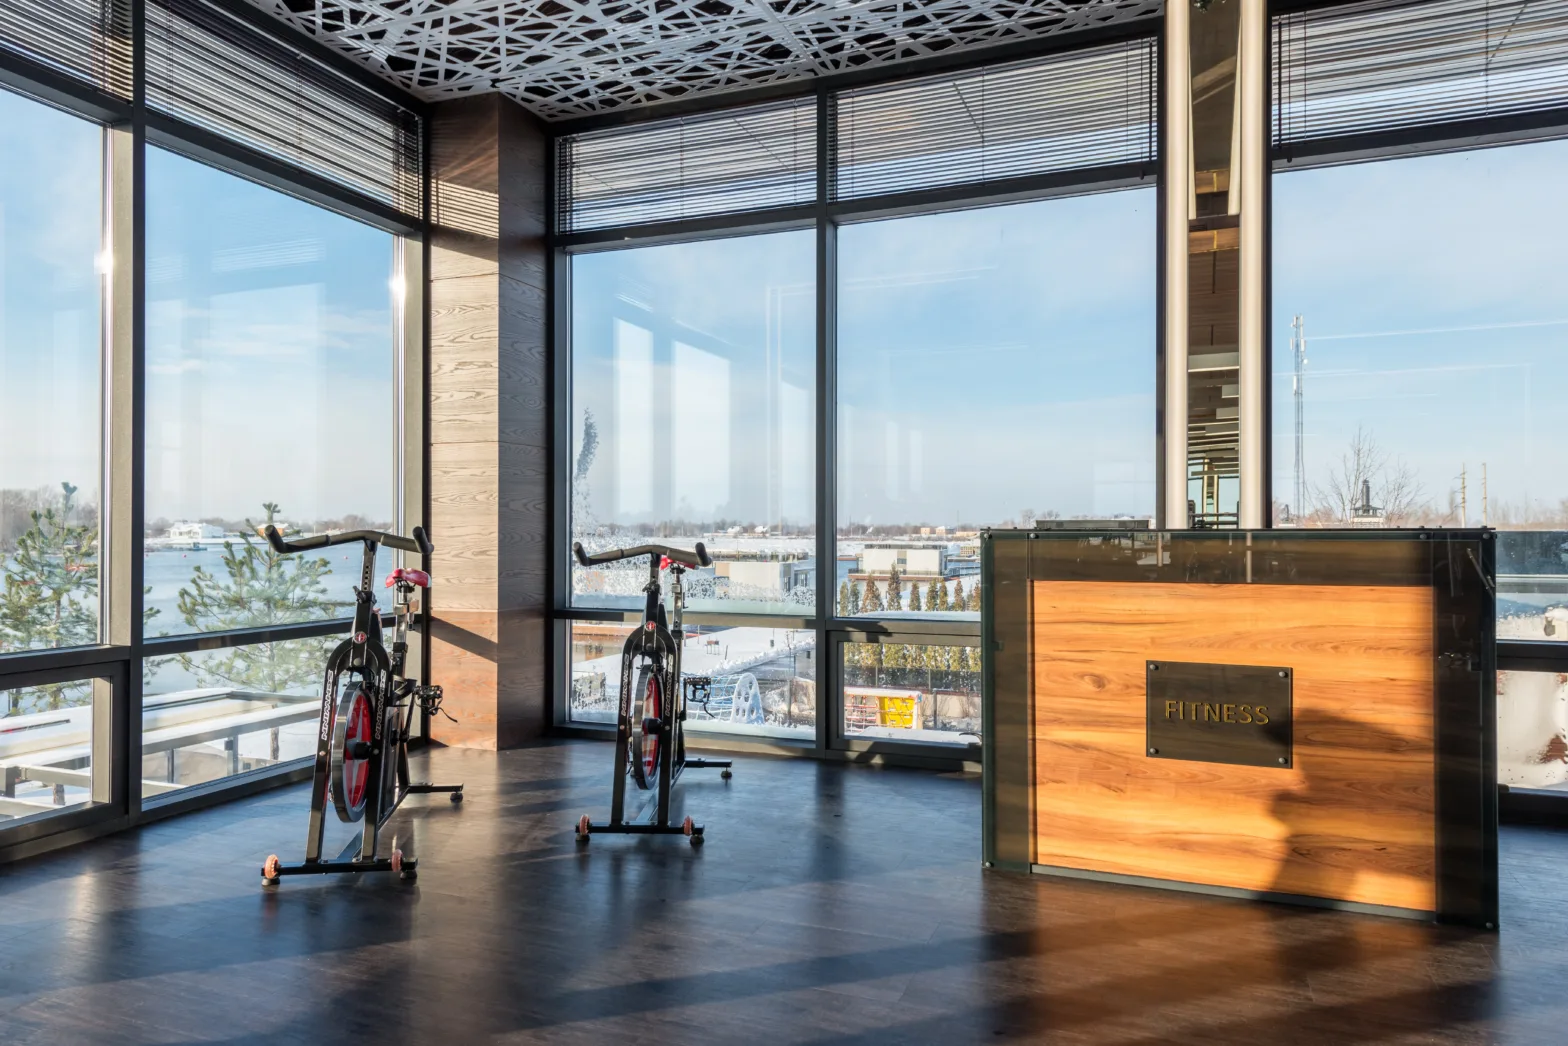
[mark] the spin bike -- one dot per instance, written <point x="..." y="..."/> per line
<point x="650" y="741"/>
<point x="367" y="711"/>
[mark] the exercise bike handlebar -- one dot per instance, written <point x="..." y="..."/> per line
<point x="419" y="543"/>
<point x="698" y="558"/>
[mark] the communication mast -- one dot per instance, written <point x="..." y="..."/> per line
<point x="1298" y="347"/>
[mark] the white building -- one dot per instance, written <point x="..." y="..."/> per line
<point x="180" y="533"/>
<point x="922" y="560"/>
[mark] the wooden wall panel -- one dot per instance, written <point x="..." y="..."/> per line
<point x="489" y="422"/>
<point x="1353" y="819"/>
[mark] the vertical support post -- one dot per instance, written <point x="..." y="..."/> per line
<point x="409" y="284"/>
<point x="1253" y="511"/>
<point x="829" y="692"/>
<point x="117" y="704"/>
<point x="488" y="436"/>
<point x="1177" y="194"/>
<point x="560" y="377"/>
<point x="119" y="600"/>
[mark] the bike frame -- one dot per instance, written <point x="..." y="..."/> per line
<point x="654" y="640"/>
<point x="361" y="655"/>
<point x="363" y="658"/>
<point x="659" y="640"/>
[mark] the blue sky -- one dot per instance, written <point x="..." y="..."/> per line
<point x="50" y="222"/>
<point x="698" y="362"/>
<point x="989" y="361"/>
<point x="269" y="334"/>
<point x="1435" y="299"/>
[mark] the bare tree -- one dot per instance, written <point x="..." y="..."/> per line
<point x="1365" y="468"/>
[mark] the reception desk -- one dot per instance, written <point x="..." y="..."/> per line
<point x="1294" y="715"/>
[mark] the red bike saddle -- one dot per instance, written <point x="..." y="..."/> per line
<point x="418" y="578"/>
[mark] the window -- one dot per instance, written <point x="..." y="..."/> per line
<point x="920" y="692"/>
<point x="217" y="713"/>
<point x="693" y="384"/>
<point x="271" y="349"/>
<point x="46" y="745"/>
<point x="1420" y="311"/>
<point x="51" y="433"/>
<point x="1532" y="730"/>
<point x="994" y="366"/>
<point x="764" y="679"/>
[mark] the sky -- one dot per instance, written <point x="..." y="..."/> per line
<point x="990" y="361"/>
<point x="50" y="228"/>
<point x="1434" y="296"/>
<point x="270" y="341"/>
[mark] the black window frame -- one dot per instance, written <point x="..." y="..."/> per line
<point x="825" y="215"/>
<point x="119" y="664"/>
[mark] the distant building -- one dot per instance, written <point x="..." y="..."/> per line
<point x="180" y="533"/>
<point x="920" y="560"/>
<point x="768" y="575"/>
<point x="187" y="536"/>
<point x="1367" y="516"/>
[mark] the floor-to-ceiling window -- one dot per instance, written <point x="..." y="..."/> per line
<point x="188" y="350"/>
<point x="995" y="366"/>
<point x="271" y="398"/>
<point x="52" y="265"/>
<point x="1420" y="337"/>
<point x="950" y="326"/>
<point x="693" y="419"/>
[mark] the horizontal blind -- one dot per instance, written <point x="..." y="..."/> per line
<point x="1391" y="65"/>
<point x="225" y="76"/>
<point x="1079" y="109"/>
<point x="751" y="159"/>
<point x="85" y="39"/>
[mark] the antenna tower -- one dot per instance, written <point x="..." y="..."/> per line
<point x="1298" y="347"/>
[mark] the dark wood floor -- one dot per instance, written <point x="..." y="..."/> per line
<point x="831" y="905"/>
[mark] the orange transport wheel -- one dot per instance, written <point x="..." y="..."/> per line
<point x="269" y="870"/>
<point x="584" y="826"/>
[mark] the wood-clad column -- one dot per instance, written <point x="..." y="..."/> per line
<point x="488" y="422"/>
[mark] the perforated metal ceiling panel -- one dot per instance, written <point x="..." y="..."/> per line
<point x="564" y="58"/>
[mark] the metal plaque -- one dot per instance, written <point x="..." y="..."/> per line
<point x="1238" y="714"/>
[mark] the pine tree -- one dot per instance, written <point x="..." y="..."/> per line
<point x="958" y="594"/>
<point x="854" y="598"/>
<point x="914" y="596"/>
<point x="873" y="602"/>
<point x="261" y="588"/>
<point x="941" y="596"/>
<point x="974" y="599"/>
<point x="50" y="598"/>
<point x="894" y="656"/>
<point x="843" y="599"/>
<point x="895" y="594"/>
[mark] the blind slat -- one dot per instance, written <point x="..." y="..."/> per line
<point x="1389" y="65"/>
<point x="1079" y="109"/>
<point x="227" y="77"/>
<point x="86" y="39"/>
<point x="752" y="159"/>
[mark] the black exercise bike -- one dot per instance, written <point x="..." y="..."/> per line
<point x="367" y="713"/>
<point x="650" y="741"/>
